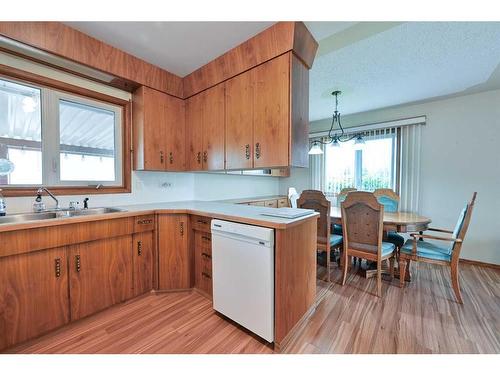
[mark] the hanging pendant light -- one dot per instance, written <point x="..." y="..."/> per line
<point x="335" y="138"/>
<point x="315" y="149"/>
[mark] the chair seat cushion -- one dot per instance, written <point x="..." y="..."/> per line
<point x="427" y="250"/>
<point x="335" y="240"/>
<point x="396" y="239"/>
<point x="387" y="248"/>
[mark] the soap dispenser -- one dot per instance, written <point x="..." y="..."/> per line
<point x="3" y="205"/>
<point x="38" y="205"/>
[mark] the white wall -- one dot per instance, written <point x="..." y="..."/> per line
<point x="460" y="155"/>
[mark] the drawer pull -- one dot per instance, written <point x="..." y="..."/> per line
<point x="161" y="157"/>
<point x="204" y="274"/>
<point x="139" y="248"/>
<point x="58" y="267"/>
<point x="247" y="151"/>
<point x="171" y="158"/>
<point x="198" y="157"/>
<point x="201" y="222"/>
<point x="182" y="228"/>
<point x="208" y="256"/>
<point x="205" y="156"/>
<point x="145" y="221"/>
<point x="206" y="238"/>
<point x="77" y="263"/>
<point x="257" y="150"/>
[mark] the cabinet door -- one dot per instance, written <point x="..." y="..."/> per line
<point x="174" y="257"/>
<point x="33" y="295"/>
<point x="149" y="129"/>
<point x="272" y="112"/>
<point x="213" y="128"/>
<point x="203" y="261"/>
<point x="194" y="133"/>
<point x="100" y="275"/>
<point x="142" y="247"/>
<point x="175" y="157"/>
<point x="239" y="122"/>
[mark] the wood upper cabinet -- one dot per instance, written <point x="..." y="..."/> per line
<point x="271" y="106"/>
<point x="100" y="274"/>
<point x="267" y="121"/>
<point x="239" y="122"/>
<point x="158" y="131"/>
<point x="33" y="295"/>
<point x="174" y="255"/>
<point x="142" y="248"/>
<point x="205" y="130"/>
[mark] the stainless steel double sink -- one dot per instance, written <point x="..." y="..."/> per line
<point x="57" y="214"/>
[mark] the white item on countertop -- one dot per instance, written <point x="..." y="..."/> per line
<point x="288" y="213"/>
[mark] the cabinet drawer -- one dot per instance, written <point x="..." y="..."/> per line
<point x="205" y="282"/>
<point x="144" y="223"/>
<point x="283" y="202"/>
<point x="201" y="223"/>
<point x="272" y="203"/>
<point x="258" y="203"/>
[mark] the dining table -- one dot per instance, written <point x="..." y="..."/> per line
<point x="400" y="222"/>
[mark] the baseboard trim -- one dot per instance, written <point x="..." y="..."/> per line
<point x="479" y="264"/>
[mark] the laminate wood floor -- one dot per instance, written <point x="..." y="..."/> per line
<point x="422" y="318"/>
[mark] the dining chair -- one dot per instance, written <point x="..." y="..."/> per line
<point x="419" y="250"/>
<point x="337" y="228"/>
<point x="363" y="224"/>
<point x="390" y="200"/>
<point x="326" y="241"/>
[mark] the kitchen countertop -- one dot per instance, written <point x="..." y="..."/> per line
<point x="215" y="209"/>
<point x="254" y="199"/>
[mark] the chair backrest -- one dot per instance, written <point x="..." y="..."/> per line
<point x="316" y="200"/>
<point x="343" y="194"/>
<point x="388" y="198"/>
<point x="362" y="222"/>
<point x="462" y="226"/>
<point x="292" y="197"/>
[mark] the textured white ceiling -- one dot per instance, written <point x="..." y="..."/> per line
<point x="406" y="63"/>
<point x="179" y="47"/>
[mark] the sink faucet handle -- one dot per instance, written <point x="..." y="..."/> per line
<point x="86" y="203"/>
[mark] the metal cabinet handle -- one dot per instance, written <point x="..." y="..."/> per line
<point x="77" y="263"/>
<point x="247" y="151"/>
<point x="58" y="267"/>
<point x="198" y="157"/>
<point x="139" y="248"/>
<point x="205" y="156"/>
<point x="257" y="150"/>
<point x="204" y="274"/>
<point x="201" y="221"/>
<point x="144" y="221"/>
<point x="206" y="255"/>
<point x="161" y="157"/>
<point x="206" y="238"/>
<point x="182" y="228"/>
<point x="171" y="158"/>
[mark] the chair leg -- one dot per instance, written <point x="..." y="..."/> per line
<point x="455" y="283"/>
<point x="391" y="266"/>
<point x="345" y="267"/>
<point x="402" y="272"/>
<point x="328" y="264"/>
<point x="379" y="279"/>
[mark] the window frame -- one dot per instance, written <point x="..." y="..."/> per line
<point x="67" y="90"/>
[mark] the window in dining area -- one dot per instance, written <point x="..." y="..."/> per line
<point x="367" y="167"/>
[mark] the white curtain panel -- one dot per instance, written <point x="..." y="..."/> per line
<point x="410" y="168"/>
<point x="317" y="169"/>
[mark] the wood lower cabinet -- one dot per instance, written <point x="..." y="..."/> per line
<point x="203" y="261"/>
<point x="33" y="295"/>
<point x="142" y="250"/>
<point x="100" y="274"/>
<point x="174" y="255"/>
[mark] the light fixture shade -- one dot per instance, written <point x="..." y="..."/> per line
<point x="336" y="143"/>
<point x="315" y="149"/>
<point x="359" y="143"/>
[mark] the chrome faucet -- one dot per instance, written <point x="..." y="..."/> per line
<point x="42" y="189"/>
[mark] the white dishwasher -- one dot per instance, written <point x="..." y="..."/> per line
<point x="243" y="275"/>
